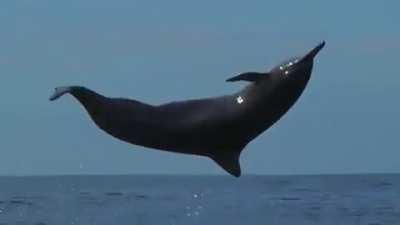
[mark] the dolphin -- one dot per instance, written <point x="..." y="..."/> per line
<point x="218" y="127"/>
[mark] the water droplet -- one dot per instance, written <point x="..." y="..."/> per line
<point x="240" y="100"/>
<point x="286" y="72"/>
<point x="195" y="195"/>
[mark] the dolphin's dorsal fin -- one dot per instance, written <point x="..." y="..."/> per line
<point x="248" y="76"/>
<point x="229" y="161"/>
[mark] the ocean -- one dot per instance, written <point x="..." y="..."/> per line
<point x="200" y="200"/>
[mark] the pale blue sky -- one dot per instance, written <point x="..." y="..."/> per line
<point x="347" y="121"/>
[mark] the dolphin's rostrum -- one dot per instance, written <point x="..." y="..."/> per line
<point x="218" y="127"/>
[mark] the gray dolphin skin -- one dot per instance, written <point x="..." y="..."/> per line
<point x="218" y="127"/>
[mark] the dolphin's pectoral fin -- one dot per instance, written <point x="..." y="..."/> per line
<point x="229" y="161"/>
<point x="248" y="76"/>
<point x="60" y="91"/>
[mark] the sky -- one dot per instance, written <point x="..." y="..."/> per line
<point x="159" y="51"/>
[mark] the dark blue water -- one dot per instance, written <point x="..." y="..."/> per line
<point x="211" y="200"/>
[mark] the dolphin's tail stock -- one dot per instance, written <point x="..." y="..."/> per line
<point x="229" y="161"/>
<point x="60" y="91"/>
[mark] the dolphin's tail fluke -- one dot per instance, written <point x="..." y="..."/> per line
<point x="60" y="91"/>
